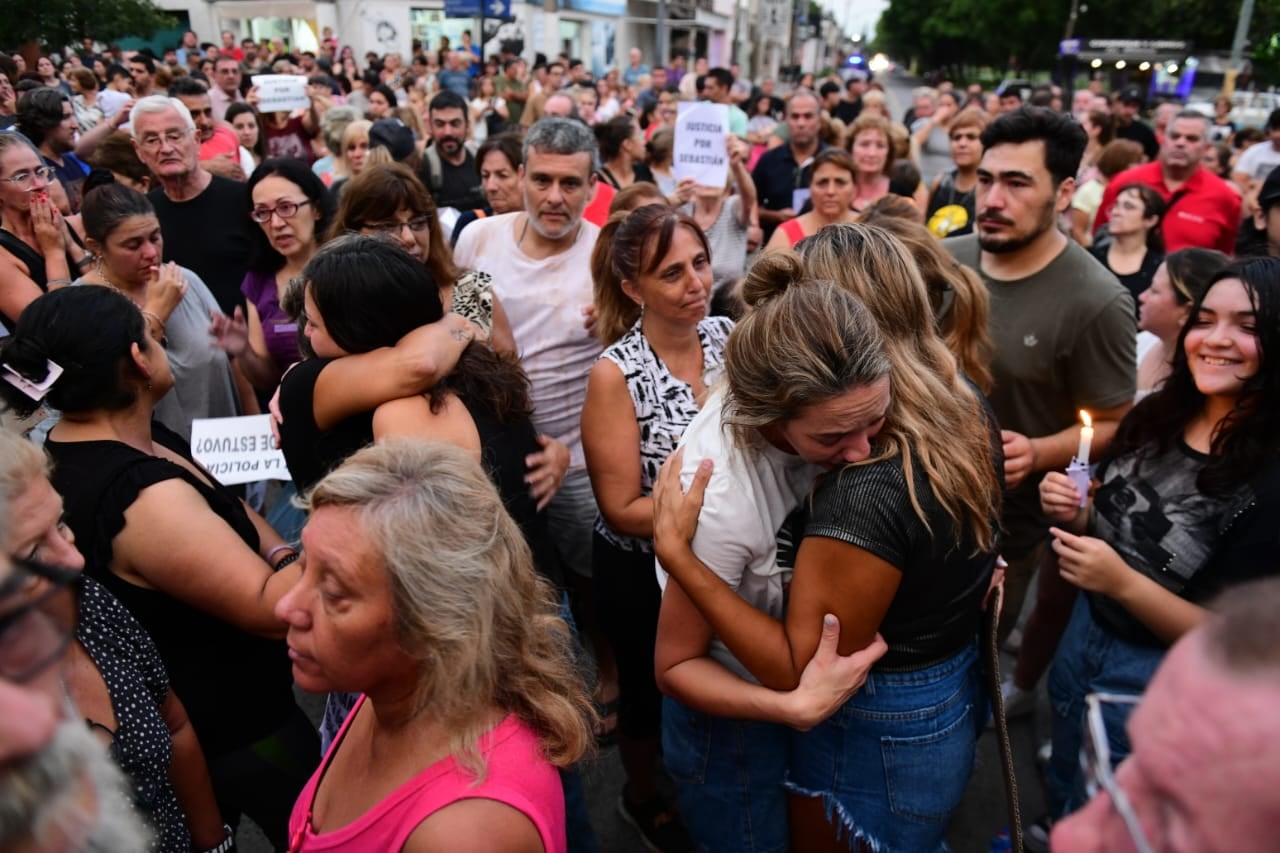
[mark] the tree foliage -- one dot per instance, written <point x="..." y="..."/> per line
<point x="57" y="23"/>
<point x="1025" y="33"/>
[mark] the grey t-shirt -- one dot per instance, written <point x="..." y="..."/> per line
<point x="202" y="383"/>
<point x="1064" y="341"/>
<point x="727" y="237"/>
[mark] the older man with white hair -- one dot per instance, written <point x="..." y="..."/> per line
<point x="59" y="789"/>
<point x="203" y="217"/>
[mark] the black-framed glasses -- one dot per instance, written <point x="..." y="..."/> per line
<point x="417" y="225"/>
<point x="1095" y="761"/>
<point x="285" y="210"/>
<point x="36" y="623"/>
<point x="25" y="179"/>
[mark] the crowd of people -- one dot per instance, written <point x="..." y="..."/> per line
<point x="583" y="453"/>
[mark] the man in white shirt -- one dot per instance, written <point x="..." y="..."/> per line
<point x="1258" y="160"/>
<point x="539" y="259"/>
<point x="225" y="89"/>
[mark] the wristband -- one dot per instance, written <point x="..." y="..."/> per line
<point x="271" y="555"/>
<point x="286" y="560"/>
<point x="228" y="841"/>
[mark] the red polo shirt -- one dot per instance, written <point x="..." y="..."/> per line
<point x="1206" y="216"/>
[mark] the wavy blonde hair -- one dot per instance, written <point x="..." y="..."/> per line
<point x="935" y="418"/>
<point x="803" y="342"/>
<point x="467" y="604"/>
<point x="963" y="321"/>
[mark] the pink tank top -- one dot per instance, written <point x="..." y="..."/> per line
<point x="517" y="775"/>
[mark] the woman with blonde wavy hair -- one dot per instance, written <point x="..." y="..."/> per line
<point x="959" y="299"/>
<point x="419" y="592"/>
<point x="900" y="539"/>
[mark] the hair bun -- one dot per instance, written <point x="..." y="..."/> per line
<point x="26" y="356"/>
<point x="772" y="274"/>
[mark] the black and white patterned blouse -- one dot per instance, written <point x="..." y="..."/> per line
<point x="473" y="298"/>
<point x="137" y="683"/>
<point x="664" y="404"/>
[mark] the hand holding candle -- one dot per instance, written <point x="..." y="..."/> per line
<point x="1086" y="438"/>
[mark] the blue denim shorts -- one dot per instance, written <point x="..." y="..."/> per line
<point x="894" y="762"/>
<point x="728" y="776"/>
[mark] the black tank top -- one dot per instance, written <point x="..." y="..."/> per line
<point x="236" y="686"/>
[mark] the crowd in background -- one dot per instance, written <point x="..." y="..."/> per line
<point x="585" y="453"/>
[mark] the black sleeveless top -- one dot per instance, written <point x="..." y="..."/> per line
<point x="311" y="453"/>
<point x="236" y="686"/>
<point x="34" y="263"/>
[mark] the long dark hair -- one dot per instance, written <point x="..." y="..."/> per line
<point x="1247" y="439"/>
<point x="263" y="258"/>
<point x="371" y="293"/>
<point x="89" y="332"/>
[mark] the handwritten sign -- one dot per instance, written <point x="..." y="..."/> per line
<point x="700" y="149"/>
<point x="281" y="93"/>
<point x="237" y="450"/>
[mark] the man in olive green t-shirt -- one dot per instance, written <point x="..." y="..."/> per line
<point x="1061" y="324"/>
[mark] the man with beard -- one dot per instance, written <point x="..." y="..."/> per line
<point x="539" y="258"/>
<point x="59" y="789"/>
<point x="1201" y="209"/>
<point x="1061" y="324"/>
<point x="449" y="163"/>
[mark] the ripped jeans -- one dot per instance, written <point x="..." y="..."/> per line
<point x="893" y="763"/>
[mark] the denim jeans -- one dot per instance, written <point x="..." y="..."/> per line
<point x="1090" y="659"/>
<point x="728" y="776"/>
<point x="894" y="761"/>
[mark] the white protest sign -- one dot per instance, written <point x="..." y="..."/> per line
<point x="237" y="450"/>
<point x="700" y="149"/>
<point x="281" y="93"/>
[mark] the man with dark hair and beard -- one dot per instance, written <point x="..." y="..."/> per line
<point x="449" y="164"/>
<point x="1063" y="331"/>
<point x="59" y="789"/>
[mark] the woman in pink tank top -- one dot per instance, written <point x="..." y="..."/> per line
<point x="418" y="591"/>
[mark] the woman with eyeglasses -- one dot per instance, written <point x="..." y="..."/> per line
<point x="391" y="201"/>
<point x="1184" y="504"/>
<point x="290" y="205"/>
<point x="122" y="230"/>
<point x="1136" y="247"/>
<point x="35" y="254"/>
<point x="190" y="561"/>
<point x="110" y="666"/>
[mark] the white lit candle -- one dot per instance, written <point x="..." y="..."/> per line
<point x="1086" y="438"/>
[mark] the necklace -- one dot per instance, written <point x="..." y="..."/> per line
<point x="106" y="279"/>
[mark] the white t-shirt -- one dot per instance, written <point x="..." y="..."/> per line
<point x="748" y="499"/>
<point x="1258" y="161"/>
<point x="544" y="301"/>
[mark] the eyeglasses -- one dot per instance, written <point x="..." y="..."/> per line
<point x="417" y="225"/>
<point x="285" y="210"/>
<point x="26" y="180"/>
<point x="36" y="631"/>
<point x="153" y="141"/>
<point x="1095" y="761"/>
